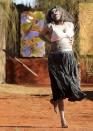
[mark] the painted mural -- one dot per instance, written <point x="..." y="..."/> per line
<point x="31" y="44"/>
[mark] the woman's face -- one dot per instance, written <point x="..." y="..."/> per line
<point x="56" y="14"/>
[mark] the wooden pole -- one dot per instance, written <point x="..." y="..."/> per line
<point x="25" y="66"/>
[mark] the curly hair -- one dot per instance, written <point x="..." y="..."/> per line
<point x="65" y="17"/>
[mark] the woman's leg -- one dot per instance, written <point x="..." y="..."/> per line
<point x="54" y="103"/>
<point x="61" y="111"/>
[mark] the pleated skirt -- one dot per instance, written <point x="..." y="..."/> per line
<point x="64" y="77"/>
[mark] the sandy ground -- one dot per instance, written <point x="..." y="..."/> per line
<point x="24" y="108"/>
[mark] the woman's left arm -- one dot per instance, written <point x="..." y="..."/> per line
<point x="70" y="32"/>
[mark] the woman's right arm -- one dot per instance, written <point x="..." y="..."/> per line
<point x="44" y="34"/>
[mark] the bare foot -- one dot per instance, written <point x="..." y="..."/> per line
<point x="64" y="124"/>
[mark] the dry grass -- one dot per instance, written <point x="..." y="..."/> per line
<point x="8" y="23"/>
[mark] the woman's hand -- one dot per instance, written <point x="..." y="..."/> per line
<point x="71" y="40"/>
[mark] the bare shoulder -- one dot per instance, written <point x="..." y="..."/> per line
<point x="49" y="25"/>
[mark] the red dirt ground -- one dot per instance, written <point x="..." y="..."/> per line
<point x="21" y="112"/>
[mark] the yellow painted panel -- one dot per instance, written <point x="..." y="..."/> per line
<point x="86" y="28"/>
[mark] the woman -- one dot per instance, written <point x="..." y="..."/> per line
<point x="62" y="64"/>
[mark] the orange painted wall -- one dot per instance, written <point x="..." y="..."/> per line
<point x="17" y="74"/>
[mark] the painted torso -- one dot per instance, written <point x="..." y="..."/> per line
<point x="61" y="37"/>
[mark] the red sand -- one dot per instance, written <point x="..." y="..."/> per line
<point x="35" y="113"/>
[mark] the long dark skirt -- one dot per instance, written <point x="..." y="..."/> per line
<point x="64" y="77"/>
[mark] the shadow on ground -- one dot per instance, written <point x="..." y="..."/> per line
<point x="89" y="95"/>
